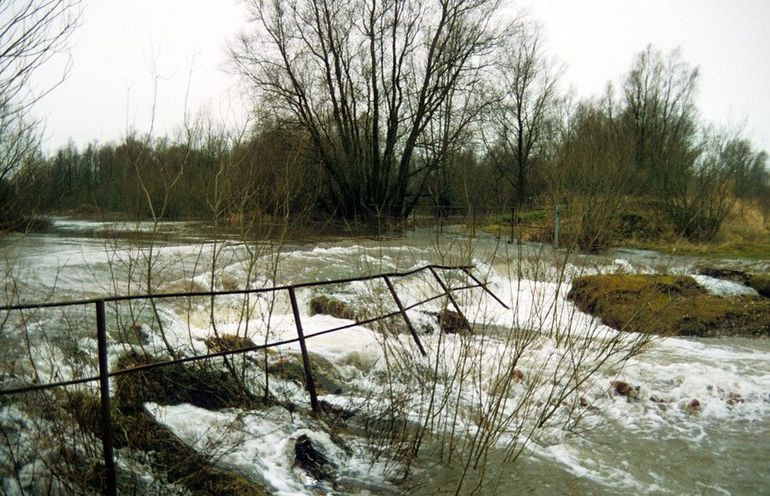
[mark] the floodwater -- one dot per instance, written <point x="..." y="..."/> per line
<point x="593" y="441"/>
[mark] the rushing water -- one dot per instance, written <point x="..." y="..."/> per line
<point x="653" y="444"/>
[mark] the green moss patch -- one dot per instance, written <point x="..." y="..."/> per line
<point x="668" y="305"/>
<point x="228" y="342"/>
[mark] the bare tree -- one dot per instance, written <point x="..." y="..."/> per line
<point x="660" y="114"/>
<point x="521" y="122"/>
<point x="365" y="79"/>
<point x="706" y="193"/>
<point x="31" y="32"/>
<point x="593" y="163"/>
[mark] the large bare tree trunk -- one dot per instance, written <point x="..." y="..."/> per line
<point x="365" y="78"/>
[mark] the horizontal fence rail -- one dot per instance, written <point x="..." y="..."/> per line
<point x="512" y="216"/>
<point x="105" y="374"/>
<point x="183" y="294"/>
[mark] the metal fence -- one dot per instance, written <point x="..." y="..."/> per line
<point x="101" y="332"/>
<point x="475" y="217"/>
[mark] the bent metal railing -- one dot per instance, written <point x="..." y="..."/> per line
<point x="101" y="331"/>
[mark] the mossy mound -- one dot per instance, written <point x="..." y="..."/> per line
<point x="197" y="384"/>
<point x="325" y="375"/>
<point x="180" y="463"/>
<point x="331" y="306"/>
<point x="227" y="342"/>
<point x="668" y="305"/>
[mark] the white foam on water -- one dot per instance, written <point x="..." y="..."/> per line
<point x="261" y="444"/>
<point x="579" y="463"/>
<point x="721" y="287"/>
<point x="731" y="382"/>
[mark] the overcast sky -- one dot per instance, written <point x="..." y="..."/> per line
<point x="124" y="49"/>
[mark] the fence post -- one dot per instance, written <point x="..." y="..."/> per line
<point x="104" y="389"/>
<point x="473" y="220"/>
<point x="305" y="358"/>
<point x="556" y="226"/>
<point x="403" y="313"/>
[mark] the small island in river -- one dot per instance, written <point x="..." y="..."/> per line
<point x="673" y="305"/>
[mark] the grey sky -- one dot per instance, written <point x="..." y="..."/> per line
<point x="122" y="49"/>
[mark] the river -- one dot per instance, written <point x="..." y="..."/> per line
<point x="480" y="428"/>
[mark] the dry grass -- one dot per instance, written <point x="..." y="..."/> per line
<point x="745" y="233"/>
<point x="199" y="384"/>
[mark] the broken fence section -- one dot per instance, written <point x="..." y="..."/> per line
<point x="101" y="333"/>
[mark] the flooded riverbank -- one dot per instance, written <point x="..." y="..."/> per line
<point x="578" y="436"/>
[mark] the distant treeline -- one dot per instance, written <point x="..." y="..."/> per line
<point x="202" y="176"/>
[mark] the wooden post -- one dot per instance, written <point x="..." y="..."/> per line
<point x="403" y="313"/>
<point x="473" y="220"/>
<point x="305" y="358"/>
<point x="104" y="389"/>
<point x="556" y="226"/>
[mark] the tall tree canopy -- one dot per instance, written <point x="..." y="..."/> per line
<point x="660" y="113"/>
<point x="365" y="79"/>
<point x="522" y="119"/>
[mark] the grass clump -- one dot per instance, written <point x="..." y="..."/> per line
<point x="227" y="342"/>
<point x="199" y="384"/>
<point x="668" y="305"/>
<point x="136" y="429"/>
<point x="325" y="375"/>
<point x="331" y="306"/>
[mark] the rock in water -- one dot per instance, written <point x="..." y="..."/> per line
<point x="693" y="407"/>
<point x="625" y="389"/>
<point x="313" y="461"/>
